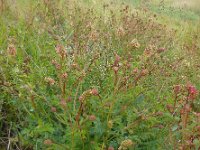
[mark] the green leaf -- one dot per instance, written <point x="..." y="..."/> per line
<point x="175" y="127"/>
<point x="98" y="129"/>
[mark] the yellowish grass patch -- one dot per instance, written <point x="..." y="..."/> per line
<point x="192" y="4"/>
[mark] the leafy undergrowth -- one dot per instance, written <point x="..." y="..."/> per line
<point x="96" y="75"/>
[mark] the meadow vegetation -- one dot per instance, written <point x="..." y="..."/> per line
<point x="99" y="75"/>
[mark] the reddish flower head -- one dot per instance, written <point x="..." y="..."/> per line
<point x="92" y="117"/>
<point x="177" y="89"/>
<point x="115" y="69"/>
<point x="144" y="72"/>
<point x="160" y="50"/>
<point x="63" y="102"/>
<point x="94" y="92"/>
<point x="117" y="58"/>
<point x="135" y="71"/>
<point x="48" y="142"/>
<point x="12" y="50"/>
<point x="81" y="98"/>
<point x="192" y="91"/>
<point x="53" y="109"/>
<point x="64" y="75"/>
<point x="111" y="148"/>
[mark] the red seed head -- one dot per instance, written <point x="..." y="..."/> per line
<point x="81" y="98"/>
<point x="111" y="148"/>
<point x="50" y="80"/>
<point x="74" y="65"/>
<point x="144" y="72"/>
<point x="48" y="142"/>
<point x="54" y="62"/>
<point x="63" y="103"/>
<point x="12" y="50"/>
<point x="134" y="43"/>
<point x="117" y="58"/>
<point x="64" y="75"/>
<point x="94" y="92"/>
<point x="160" y="50"/>
<point x="115" y="69"/>
<point x="192" y="90"/>
<point x="60" y="50"/>
<point x="135" y="70"/>
<point x="53" y="109"/>
<point x="92" y="117"/>
<point x="159" y="113"/>
<point x="58" y="66"/>
<point x="177" y="89"/>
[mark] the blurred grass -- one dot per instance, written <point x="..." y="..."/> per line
<point x="182" y="15"/>
<point x="176" y="10"/>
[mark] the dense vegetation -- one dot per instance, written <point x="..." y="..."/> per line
<point x="99" y="75"/>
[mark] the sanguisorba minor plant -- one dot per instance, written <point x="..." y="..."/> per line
<point x="186" y="126"/>
<point x="88" y="111"/>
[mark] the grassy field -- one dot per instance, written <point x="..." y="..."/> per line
<point x="99" y="75"/>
